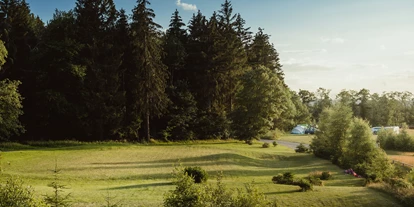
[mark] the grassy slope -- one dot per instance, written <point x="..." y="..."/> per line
<point x="306" y="138"/>
<point x="141" y="175"/>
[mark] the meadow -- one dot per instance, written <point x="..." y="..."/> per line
<point x="140" y="175"/>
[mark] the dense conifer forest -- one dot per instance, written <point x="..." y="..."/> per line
<point x="98" y="72"/>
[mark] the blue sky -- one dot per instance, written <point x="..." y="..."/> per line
<point x="337" y="45"/>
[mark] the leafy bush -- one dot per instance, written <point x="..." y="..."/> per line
<point x="326" y="175"/>
<point x="286" y="178"/>
<point x="199" y="175"/>
<point x="189" y="194"/>
<point x="315" y="181"/>
<point x="390" y="141"/>
<point x="304" y="184"/>
<point x="249" y="142"/>
<point x="400" y="183"/>
<point x="274" y="143"/>
<point x="265" y="145"/>
<point x="14" y="194"/>
<point x="301" y="148"/>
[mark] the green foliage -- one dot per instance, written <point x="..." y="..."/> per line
<point x="197" y="173"/>
<point x="10" y="109"/>
<point x="304" y="184"/>
<point x="347" y="142"/>
<point x="301" y="148"/>
<point x="317" y="175"/>
<point x="57" y="199"/>
<point x="326" y="175"/>
<point x="274" y="143"/>
<point x="287" y="178"/>
<point x="259" y="102"/>
<point x="333" y="129"/>
<point x="266" y="145"/>
<point x="187" y="194"/>
<point x="14" y="193"/>
<point x="182" y="113"/>
<point x="390" y="141"/>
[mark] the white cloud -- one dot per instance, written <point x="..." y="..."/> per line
<point x="335" y="40"/>
<point x="185" y="6"/>
<point x="370" y="65"/>
<point x="305" y="51"/>
<point x="382" y="47"/>
<point x="409" y="52"/>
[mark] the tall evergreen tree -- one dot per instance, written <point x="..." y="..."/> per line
<point x="59" y="79"/>
<point x="232" y="57"/>
<point x="174" y="47"/>
<point x="96" y="21"/>
<point x="262" y="52"/>
<point x="150" y="71"/>
<point x="124" y="45"/>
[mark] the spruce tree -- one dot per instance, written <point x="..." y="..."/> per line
<point x="150" y="71"/>
<point x="59" y="80"/>
<point x="132" y="120"/>
<point x="232" y="57"/>
<point x="174" y="48"/>
<point x="96" y="21"/>
<point x="262" y="52"/>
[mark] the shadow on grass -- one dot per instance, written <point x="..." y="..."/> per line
<point x="147" y="185"/>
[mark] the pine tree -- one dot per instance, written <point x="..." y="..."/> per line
<point x="150" y="71"/>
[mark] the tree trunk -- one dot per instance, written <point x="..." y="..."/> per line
<point x="148" y="125"/>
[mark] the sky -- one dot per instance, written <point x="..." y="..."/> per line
<point x="336" y="45"/>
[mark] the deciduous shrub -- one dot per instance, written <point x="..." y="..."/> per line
<point x="197" y="173"/>
<point x="189" y="194"/>
<point x="274" y="143"/>
<point x="286" y="178"/>
<point x="326" y="175"/>
<point x="15" y="194"/>
<point x="265" y="145"/>
<point x="304" y="184"/>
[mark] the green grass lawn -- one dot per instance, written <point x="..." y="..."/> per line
<point x="305" y="138"/>
<point x="139" y="175"/>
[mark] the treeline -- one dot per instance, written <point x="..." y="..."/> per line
<point x="386" y="109"/>
<point x="97" y="73"/>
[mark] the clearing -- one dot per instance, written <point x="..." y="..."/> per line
<point x="140" y="175"/>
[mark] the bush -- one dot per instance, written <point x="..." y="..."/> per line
<point x="189" y="194"/>
<point x="274" y="143"/>
<point x="199" y="175"/>
<point x="15" y="194"/>
<point x="304" y="184"/>
<point x="286" y="178"/>
<point x="315" y="181"/>
<point x="249" y="142"/>
<point x="265" y="145"/>
<point x="326" y="175"/>
<point x="301" y="148"/>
